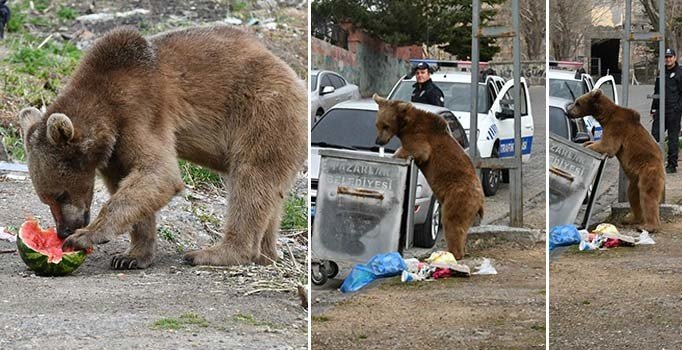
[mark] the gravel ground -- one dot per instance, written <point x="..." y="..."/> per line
<point x="169" y="305"/>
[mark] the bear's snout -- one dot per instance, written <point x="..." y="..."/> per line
<point x="379" y="141"/>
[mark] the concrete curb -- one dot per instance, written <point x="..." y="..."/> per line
<point x="668" y="212"/>
<point x="506" y="233"/>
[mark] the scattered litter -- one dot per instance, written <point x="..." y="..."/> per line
<point x="233" y="20"/>
<point x="270" y="26"/>
<point x="645" y="238"/>
<point x="7" y="236"/>
<point x="15" y="177"/>
<point x="379" y="266"/>
<point x="486" y="268"/>
<point x="606" y="236"/>
<point x="6" y="166"/>
<point x="563" y="235"/>
<point x="253" y="22"/>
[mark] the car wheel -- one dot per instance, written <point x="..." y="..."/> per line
<point x="426" y="234"/>
<point x="490" y="178"/>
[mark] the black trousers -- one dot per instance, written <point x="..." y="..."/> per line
<point x="672" y="125"/>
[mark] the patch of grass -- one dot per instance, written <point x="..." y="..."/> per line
<point x="238" y="6"/>
<point x="320" y="318"/>
<point x="167" y="324"/>
<point x="538" y="327"/>
<point x="41" y="5"/>
<point x="11" y="139"/>
<point x="180" y="323"/>
<point x="295" y="214"/>
<point x="250" y="320"/>
<point x="196" y="176"/>
<point x="192" y="318"/>
<point x="16" y="22"/>
<point x="167" y="234"/>
<point x="66" y="13"/>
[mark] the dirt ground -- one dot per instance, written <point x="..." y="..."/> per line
<point x="169" y="305"/>
<point x="251" y="307"/>
<point x="623" y="298"/>
<point x="503" y="311"/>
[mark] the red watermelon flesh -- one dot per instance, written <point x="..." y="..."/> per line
<point x="42" y="241"/>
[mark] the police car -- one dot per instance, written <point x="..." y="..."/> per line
<point x="495" y="111"/>
<point x="567" y="81"/>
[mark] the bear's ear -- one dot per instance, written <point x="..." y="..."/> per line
<point x="27" y="118"/>
<point x="402" y="106"/>
<point x="596" y="94"/>
<point x="379" y="100"/>
<point x="59" y="129"/>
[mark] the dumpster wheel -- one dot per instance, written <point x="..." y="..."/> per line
<point x="322" y="271"/>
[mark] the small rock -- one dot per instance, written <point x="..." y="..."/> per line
<point x="233" y="21"/>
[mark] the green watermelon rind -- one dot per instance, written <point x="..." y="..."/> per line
<point x="38" y="262"/>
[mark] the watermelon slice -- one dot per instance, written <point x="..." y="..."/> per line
<point x="42" y="251"/>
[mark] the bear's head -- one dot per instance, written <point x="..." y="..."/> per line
<point x="587" y="104"/>
<point x="62" y="163"/>
<point x="391" y="118"/>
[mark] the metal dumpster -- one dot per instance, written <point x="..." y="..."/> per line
<point x="574" y="173"/>
<point x="364" y="206"/>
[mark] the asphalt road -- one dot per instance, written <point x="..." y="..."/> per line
<point x="534" y="178"/>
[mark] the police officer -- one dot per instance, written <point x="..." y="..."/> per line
<point x="425" y="91"/>
<point x="673" y="108"/>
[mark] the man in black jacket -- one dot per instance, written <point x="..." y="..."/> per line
<point x="425" y="91"/>
<point x="673" y="108"/>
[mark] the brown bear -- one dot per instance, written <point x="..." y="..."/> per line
<point x="636" y="150"/>
<point x="213" y="96"/>
<point x="448" y="170"/>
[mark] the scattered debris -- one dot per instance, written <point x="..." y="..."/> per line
<point x="103" y="17"/>
<point x="606" y="236"/>
<point x="7" y="236"/>
<point x="233" y="21"/>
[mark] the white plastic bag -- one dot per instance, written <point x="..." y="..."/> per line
<point x="645" y="238"/>
<point x="486" y="268"/>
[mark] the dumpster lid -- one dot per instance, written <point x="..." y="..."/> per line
<point x="362" y="156"/>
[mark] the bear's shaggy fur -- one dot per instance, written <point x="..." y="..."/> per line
<point x="448" y="170"/>
<point x="213" y="96"/>
<point x="636" y="150"/>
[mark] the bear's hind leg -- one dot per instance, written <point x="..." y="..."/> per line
<point x="650" y="191"/>
<point x="635" y="214"/>
<point x="268" y="244"/>
<point x="253" y="200"/>
<point x="455" y="226"/>
<point x="142" y="247"/>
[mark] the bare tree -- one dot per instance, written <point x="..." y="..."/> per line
<point x="673" y="20"/>
<point x="532" y="13"/>
<point x="569" y="21"/>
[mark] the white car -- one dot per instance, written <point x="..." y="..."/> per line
<point x="327" y="89"/>
<point x="351" y="126"/>
<point x="570" y="84"/>
<point x="495" y="113"/>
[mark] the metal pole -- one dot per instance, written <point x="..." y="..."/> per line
<point x="661" y="76"/>
<point x="625" y="81"/>
<point x="515" y="175"/>
<point x="473" y="117"/>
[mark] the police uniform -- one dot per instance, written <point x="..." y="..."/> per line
<point x="427" y="92"/>
<point x="673" y="110"/>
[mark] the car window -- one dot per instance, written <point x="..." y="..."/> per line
<point x="567" y="89"/>
<point x="337" y="81"/>
<point x="508" y="100"/>
<point x="325" y="81"/>
<point x="558" y="122"/>
<point x="456" y="129"/>
<point x="349" y="128"/>
<point x="609" y="90"/>
<point x="457" y="95"/>
<point x="313" y="82"/>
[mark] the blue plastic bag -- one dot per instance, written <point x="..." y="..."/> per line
<point x="379" y="266"/>
<point x="563" y="235"/>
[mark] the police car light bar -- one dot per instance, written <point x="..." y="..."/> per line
<point x="565" y="64"/>
<point x="442" y="63"/>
